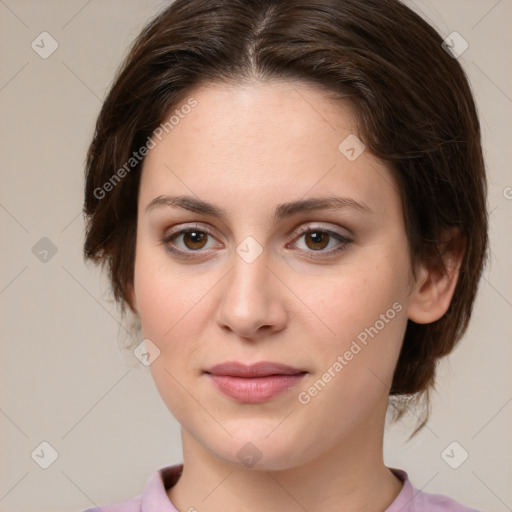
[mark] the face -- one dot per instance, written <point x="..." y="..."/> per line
<point x="322" y="290"/>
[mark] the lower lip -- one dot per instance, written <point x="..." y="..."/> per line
<point x="255" y="390"/>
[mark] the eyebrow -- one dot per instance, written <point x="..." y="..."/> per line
<point x="282" y="210"/>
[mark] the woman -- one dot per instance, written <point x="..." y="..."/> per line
<point x="290" y="196"/>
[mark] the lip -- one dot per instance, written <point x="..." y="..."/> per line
<point x="260" y="369"/>
<point x="254" y="383"/>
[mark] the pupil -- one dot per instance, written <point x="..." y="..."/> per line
<point x="317" y="238"/>
<point x="196" y="237"/>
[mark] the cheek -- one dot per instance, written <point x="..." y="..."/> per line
<point x="363" y="312"/>
<point x="170" y="309"/>
<point x="356" y="298"/>
<point x="163" y="294"/>
<point x="173" y="311"/>
<point x="354" y="362"/>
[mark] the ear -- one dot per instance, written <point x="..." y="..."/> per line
<point x="435" y="283"/>
<point x="132" y="299"/>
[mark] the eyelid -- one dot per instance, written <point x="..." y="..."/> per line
<point x="185" y="226"/>
<point x="343" y="240"/>
<point x="303" y="228"/>
<point x="181" y="229"/>
<point x="308" y="227"/>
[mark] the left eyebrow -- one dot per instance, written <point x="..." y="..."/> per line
<point x="318" y="203"/>
<point x="282" y="210"/>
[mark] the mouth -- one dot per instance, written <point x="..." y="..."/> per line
<point x="254" y="383"/>
<point x="261" y="369"/>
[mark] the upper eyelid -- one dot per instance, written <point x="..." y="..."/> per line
<point x="296" y="231"/>
<point x="302" y="226"/>
<point x="343" y="243"/>
<point x="311" y="227"/>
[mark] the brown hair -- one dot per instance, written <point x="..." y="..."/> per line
<point x="414" y="106"/>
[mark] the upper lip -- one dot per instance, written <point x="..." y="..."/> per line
<point x="260" y="369"/>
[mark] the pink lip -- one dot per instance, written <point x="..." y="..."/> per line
<point x="255" y="383"/>
<point x="260" y="369"/>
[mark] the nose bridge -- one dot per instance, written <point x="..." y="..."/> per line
<point x="250" y="297"/>
<point x="247" y="286"/>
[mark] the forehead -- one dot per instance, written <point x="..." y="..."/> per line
<point x="244" y="118"/>
<point x="267" y="142"/>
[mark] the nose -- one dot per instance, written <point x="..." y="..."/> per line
<point x="251" y="303"/>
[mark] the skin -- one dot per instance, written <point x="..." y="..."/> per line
<point x="247" y="149"/>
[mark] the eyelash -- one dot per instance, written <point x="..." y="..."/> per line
<point x="187" y="255"/>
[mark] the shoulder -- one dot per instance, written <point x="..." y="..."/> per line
<point x="154" y="496"/>
<point x="130" y="505"/>
<point x="425" y="501"/>
<point x="411" y="499"/>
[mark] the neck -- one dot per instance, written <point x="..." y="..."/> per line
<point x="351" y="476"/>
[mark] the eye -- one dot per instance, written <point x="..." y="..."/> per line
<point x="191" y="242"/>
<point x="317" y="239"/>
<point x="193" y="239"/>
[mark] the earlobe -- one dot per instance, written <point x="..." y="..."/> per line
<point x="435" y="285"/>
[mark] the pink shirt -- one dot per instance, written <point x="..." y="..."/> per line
<point x="155" y="499"/>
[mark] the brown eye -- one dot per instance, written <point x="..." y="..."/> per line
<point x="194" y="240"/>
<point x="318" y="243"/>
<point x="188" y="243"/>
<point x="319" y="239"/>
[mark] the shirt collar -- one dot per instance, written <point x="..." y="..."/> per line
<point x="155" y="498"/>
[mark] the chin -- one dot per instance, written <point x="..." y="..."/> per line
<point x="261" y="451"/>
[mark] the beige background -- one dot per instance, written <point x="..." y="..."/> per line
<point x="63" y="378"/>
